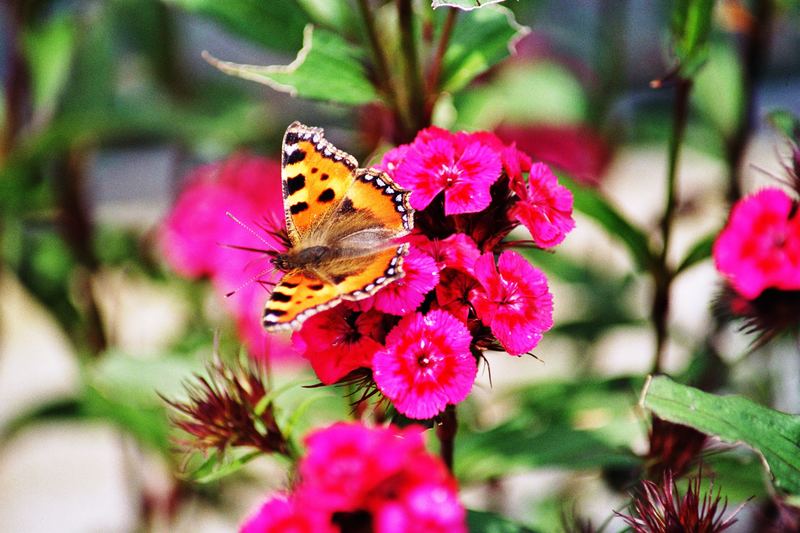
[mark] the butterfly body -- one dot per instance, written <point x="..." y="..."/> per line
<point x="343" y="223"/>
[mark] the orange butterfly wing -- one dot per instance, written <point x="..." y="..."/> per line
<point x="315" y="175"/>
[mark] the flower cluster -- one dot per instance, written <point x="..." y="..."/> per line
<point x="760" y="246"/>
<point x="194" y="235"/>
<point x="355" y="478"/>
<point x="758" y="253"/>
<point x="463" y="291"/>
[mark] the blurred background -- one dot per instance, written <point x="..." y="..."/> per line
<point x="107" y="106"/>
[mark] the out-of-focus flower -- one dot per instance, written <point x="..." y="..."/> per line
<point x="279" y="514"/>
<point x="194" y="236"/>
<point x="407" y="293"/>
<point x="221" y="410"/>
<point x="368" y="479"/>
<point x="426" y="364"/>
<point x="577" y="150"/>
<point x="513" y="300"/>
<point x="760" y="246"/>
<point x="340" y="340"/>
<point x="439" y="161"/>
<point x="673" y="448"/>
<point x="659" y="508"/>
<point x="545" y="207"/>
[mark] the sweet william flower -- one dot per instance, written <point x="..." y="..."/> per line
<point x="437" y="161"/>
<point x="404" y="295"/>
<point x="513" y="300"/>
<point x="279" y="514"/>
<point x="193" y="236"/>
<point x="760" y="246"/>
<point x="545" y="207"/>
<point x="340" y="340"/>
<point x="426" y="364"/>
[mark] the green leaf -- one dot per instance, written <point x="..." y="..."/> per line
<point x="786" y="123"/>
<point x="464" y="5"/>
<point x="276" y="24"/>
<point x="591" y="203"/>
<point x="485" y="522"/>
<point x="717" y="90"/>
<point x="216" y="467"/>
<point x="700" y="251"/>
<point x="773" y="434"/>
<point x="49" y="49"/>
<point x="326" y="68"/>
<point x="574" y="425"/>
<point x="335" y="14"/>
<point x="480" y="40"/>
<point x="691" y="26"/>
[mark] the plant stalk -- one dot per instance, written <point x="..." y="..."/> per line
<point x="661" y="271"/>
<point x="435" y="71"/>
<point x="446" y="433"/>
<point x="413" y="75"/>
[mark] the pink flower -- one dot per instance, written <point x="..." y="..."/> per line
<point x="404" y="295"/>
<point x="545" y="207"/>
<point x="439" y="161"/>
<point x="760" y="246"/>
<point x="513" y="301"/>
<point x="347" y="463"/>
<point x="426" y="507"/>
<point x="194" y="234"/>
<point x="340" y="340"/>
<point x="280" y="515"/>
<point x="426" y="364"/>
<point x="457" y="251"/>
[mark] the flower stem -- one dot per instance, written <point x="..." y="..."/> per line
<point x="436" y="66"/>
<point x="754" y="52"/>
<point x="661" y="271"/>
<point x="446" y="433"/>
<point x="381" y="65"/>
<point x="416" y="90"/>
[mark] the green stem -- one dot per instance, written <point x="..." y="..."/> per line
<point x="662" y="273"/>
<point x="381" y="65"/>
<point x="446" y="433"/>
<point x="416" y="90"/>
<point x="436" y="66"/>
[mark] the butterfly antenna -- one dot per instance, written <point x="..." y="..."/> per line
<point x="266" y="272"/>
<point x="256" y="235"/>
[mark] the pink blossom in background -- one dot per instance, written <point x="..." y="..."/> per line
<point x="280" y="515"/>
<point x="383" y="478"/>
<point x="545" y="207"/>
<point x="194" y="235"/>
<point x="760" y="246"/>
<point x="513" y="300"/>
<point x="439" y="161"/>
<point x="404" y="295"/>
<point x="426" y="365"/>
<point x="340" y="340"/>
<point x="575" y="149"/>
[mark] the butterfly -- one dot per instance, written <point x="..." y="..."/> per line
<point x="343" y="225"/>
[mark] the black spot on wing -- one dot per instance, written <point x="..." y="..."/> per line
<point x="289" y="285"/>
<point x="324" y="177"/>
<point x="291" y="137"/>
<point x="294" y="157"/>
<point x="314" y="170"/>
<point x="295" y="184"/>
<point x="326" y="196"/>
<point x="299" y="207"/>
<point x="337" y="279"/>
<point x="281" y="297"/>
<point x="316" y="287"/>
